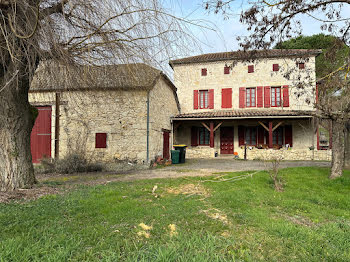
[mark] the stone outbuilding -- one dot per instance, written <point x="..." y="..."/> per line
<point x="108" y="113"/>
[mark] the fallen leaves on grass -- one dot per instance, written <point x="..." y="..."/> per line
<point x="144" y="232"/>
<point x="145" y="227"/>
<point x="172" y="228"/>
<point x="216" y="214"/>
<point x="28" y="194"/>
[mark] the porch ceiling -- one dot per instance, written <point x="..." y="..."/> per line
<point x="244" y="114"/>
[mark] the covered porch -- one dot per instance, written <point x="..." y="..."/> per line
<point x="249" y="134"/>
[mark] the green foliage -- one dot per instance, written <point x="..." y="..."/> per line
<point x="309" y="221"/>
<point x="328" y="43"/>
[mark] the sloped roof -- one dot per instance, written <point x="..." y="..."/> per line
<point x="246" y="55"/>
<point x="258" y="113"/>
<point x="53" y="77"/>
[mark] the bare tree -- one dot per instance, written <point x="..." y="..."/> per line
<point x="272" y="21"/>
<point x="69" y="32"/>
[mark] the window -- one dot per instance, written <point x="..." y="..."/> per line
<point x="250" y="136"/>
<point x="301" y="65"/>
<point x="204" y="71"/>
<point x="203" y="99"/>
<point x="275" y="67"/>
<point x="275" y="96"/>
<point x="250" y="97"/>
<point x="277" y="136"/>
<point x="204" y="136"/>
<point x="226" y="70"/>
<point x="101" y="140"/>
<point x="251" y="69"/>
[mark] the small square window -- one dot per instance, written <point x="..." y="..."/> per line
<point x="301" y="65"/>
<point x="101" y="140"/>
<point x="226" y="70"/>
<point x="275" y="67"/>
<point x="204" y="71"/>
<point x="251" y="69"/>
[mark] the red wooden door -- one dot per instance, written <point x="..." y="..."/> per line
<point x="226" y="140"/>
<point x="166" y="136"/>
<point x="41" y="135"/>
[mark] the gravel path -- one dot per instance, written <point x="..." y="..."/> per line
<point x="205" y="167"/>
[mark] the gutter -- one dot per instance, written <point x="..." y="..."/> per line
<point x="233" y="118"/>
<point x="147" y="135"/>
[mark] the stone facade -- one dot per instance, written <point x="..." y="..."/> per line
<point x="122" y="114"/>
<point x="188" y="78"/>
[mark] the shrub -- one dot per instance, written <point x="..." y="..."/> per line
<point x="72" y="163"/>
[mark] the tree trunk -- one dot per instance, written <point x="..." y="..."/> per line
<point x="347" y="145"/>
<point x="337" y="149"/>
<point x="16" y="123"/>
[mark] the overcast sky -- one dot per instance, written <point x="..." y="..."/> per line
<point x="224" y="39"/>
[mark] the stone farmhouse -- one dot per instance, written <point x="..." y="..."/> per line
<point x="117" y="112"/>
<point x="249" y="104"/>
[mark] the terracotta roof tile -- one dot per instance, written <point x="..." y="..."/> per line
<point x="246" y="55"/>
<point x="244" y="113"/>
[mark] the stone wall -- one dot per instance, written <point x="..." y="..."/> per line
<point x="290" y="154"/>
<point x="188" y="78"/>
<point x="122" y="114"/>
<point x="163" y="106"/>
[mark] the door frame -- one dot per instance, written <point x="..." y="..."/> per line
<point x="166" y="144"/>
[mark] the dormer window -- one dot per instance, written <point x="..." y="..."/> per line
<point x="204" y="71"/>
<point x="226" y="70"/>
<point x="251" y="69"/>
<point x="301" y="65"/>
<point x="275" y="67"/>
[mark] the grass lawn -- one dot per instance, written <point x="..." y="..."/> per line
<point x="244" y="220"/>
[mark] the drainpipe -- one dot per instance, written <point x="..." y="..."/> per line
<point x="57" y="126"/>
<point x="147" y="150"/>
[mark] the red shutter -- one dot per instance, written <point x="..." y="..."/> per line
<point x="288" y="134"/>
<point x="226" y="98"/>
<point x="194" y="136"/>
<point x="285" y="96"/>
<point x="261" y="135"/>
<point x="211" y="98"/>
<point x="226" y="70"/>
<point x="241" y="131"/>
<point x="267" y="96"/>
<point x="275" y="67"/>
<point x="251" y="69"/>
<point x="259" y="96"/>
<point x="204" y="71"/>
<point x="195" y="99"/>
<point x="101" y="140"/>
<point x="242" y="97"/>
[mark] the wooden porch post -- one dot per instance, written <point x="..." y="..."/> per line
<point x="211" y="134"/>
<point x="270" y="134"/>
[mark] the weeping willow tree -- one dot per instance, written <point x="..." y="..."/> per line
<point x="89" y="32"/>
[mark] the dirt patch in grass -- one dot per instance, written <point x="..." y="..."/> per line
<point x="189" y="190"/>
<point x="28" y="194"/>
<point x="217" y="214"/>
<point x="299" y="220"/>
